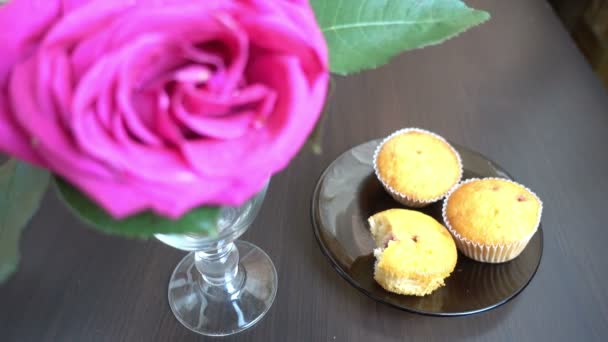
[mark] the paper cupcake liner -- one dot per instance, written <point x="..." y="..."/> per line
<point x="491" y="253"/>
<point x="403" y="198"/>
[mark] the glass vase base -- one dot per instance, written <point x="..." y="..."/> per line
<point x="221" y="310"/>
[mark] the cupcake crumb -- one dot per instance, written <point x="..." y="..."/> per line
<point x="390" y="238"/>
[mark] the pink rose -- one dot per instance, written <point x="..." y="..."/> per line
<point x="160" y="104"/>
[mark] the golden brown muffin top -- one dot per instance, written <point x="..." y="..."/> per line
<point x="418" y="165"/>
<point x="415" y="244"/>
<point x="493" y="211"/>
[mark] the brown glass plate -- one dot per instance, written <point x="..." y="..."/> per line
<point x="348" y="193"/>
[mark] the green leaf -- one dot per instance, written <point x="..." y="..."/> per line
<point x="21" y="189"/>
<point x="202" y="220"/>
<point x="364" y="34"/>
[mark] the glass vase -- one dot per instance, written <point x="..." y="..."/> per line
<point x="223" y="285"/>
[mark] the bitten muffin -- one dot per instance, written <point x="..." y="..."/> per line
<point x="414" y="253"/>
<point x="417" y="167"/>
<point x="491" y="219"/>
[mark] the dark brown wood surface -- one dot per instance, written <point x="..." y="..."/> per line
<point x="516" y="89"/>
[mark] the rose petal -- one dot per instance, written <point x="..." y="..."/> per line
<point x="140" y="123"/>
<point x="297" y="109"/>
<point x="118" y="198"/>
<point x="202" y="102"/>
<point x="288" y="29"/>
<point x="154" y="164"/>
<point x="20" y="23"/>
<point x="130" y="196"/>
<point x="232" y="122"/>
<point x="61" y="86"/>
<point x="13" y="140"/>
<point x="165" y="124"/>
<point x="295" y="113"/>
<point x="114" y="146"/>
<point x="52" y="142"/>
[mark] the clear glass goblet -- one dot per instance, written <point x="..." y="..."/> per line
<point x="222" y="286"/>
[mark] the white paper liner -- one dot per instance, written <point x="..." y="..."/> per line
<point x="491" y="253"/>
<point x="403" y="198"/>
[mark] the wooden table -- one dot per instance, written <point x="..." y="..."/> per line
<point x="516" y="89"/>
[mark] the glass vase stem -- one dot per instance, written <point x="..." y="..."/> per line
<point x="218" y="266"/>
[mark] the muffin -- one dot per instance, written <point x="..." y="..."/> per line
<point x="417" y="167"/>
<point x="492" y="219"/>
<point x="414" y="253"/>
